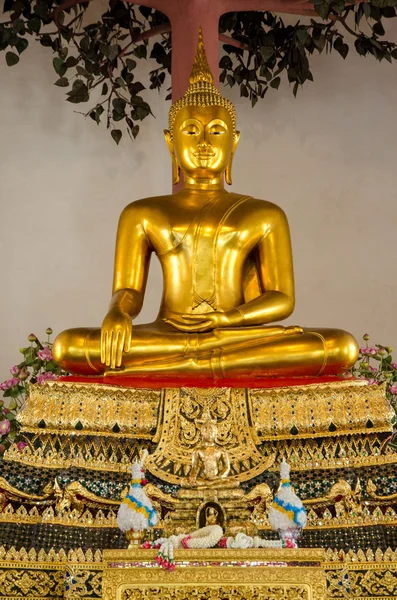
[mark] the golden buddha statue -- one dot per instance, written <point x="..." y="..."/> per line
<point x="210" y="462"/>
<point x="227" y="270"/>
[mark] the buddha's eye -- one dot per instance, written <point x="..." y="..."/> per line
<point x="217" y="131"/>
<point x="191" y="130"/>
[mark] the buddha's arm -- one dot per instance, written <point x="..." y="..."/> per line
<point x="224" y="472"/>
<point x="130" y="276"/>
<point x="275" y="269"/>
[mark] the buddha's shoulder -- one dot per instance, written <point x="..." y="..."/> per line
<point x="263" y="208"/>
<point x="145" y="205"/>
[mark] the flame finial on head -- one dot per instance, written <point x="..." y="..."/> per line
<point x="201" y="90"/>
<point x="201" y="70"/>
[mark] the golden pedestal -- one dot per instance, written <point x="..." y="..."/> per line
<point x="254" y="574"/>
<point x="62" y="491"/>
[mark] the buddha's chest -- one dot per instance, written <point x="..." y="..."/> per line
<point x="209" y="235"/>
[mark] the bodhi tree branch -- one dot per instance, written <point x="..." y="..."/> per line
<point x="96" y="61"/>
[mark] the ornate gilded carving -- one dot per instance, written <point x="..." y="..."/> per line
<point x="220" y="592"/>
<point x="359" y="450"/>
<point x="31" y="583"/>
<point x="207" y="574"/>
<point x="361" y="582"/>
<point x="91" y="409"/>
<point x="260" y="498"/>
<point x="371" y="491"/>
<point x="319" y="410"/>
<point x="180" y="433"/>
<point x="60" y="451"/>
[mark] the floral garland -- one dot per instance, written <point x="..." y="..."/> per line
<point x="207" y="537"/>
<point x="37" y="366"/>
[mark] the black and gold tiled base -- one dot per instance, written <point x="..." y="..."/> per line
<point x="59" y="497"/>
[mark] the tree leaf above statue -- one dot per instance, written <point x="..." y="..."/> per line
<point x="97" y="61"/>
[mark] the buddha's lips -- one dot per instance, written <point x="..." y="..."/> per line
<point x="204" y="155"/>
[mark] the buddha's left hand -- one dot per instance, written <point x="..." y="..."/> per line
<point x="205" y="322"/>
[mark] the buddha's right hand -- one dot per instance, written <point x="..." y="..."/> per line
<point x="116" y="333"/>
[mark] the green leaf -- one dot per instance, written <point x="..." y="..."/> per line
<point x="62" y="82"/>
<point x="105" y="89"/>
<point x="378" y="29"/>
<point x="41" y="9"/>
<point x="141" y="51"/>
<point x="18" y="26"/>
<point x="135" y="88"/>
<point x="79" y="93"/>
<point x="113" y="51"/>
<point x="120" y="82"/>
<point x="367" y="9"/>
<point x="341" y="47"/>
<point x="131" y="64"/>
<point x="116" y="135"/>
<point x="244" y="90"/>
<point x="230" y="79"/>
<point x="21" y="45"/>
<point x="322" y="9"/>
<point x="225" y="62"/>
<point x="85" y="44"/>
<point x="302" y="36"/>
<point x="84" y="73"/>
<point x="46" y="40"/>
<point x="72" y="61"/>
<point x="275" y="83"/>
<point x="12" y="59"/>
<point x="319" y="42"/>
<point x="266" y="52"/>
<point x="59" y="66"/>
<point x="338" y="6"/>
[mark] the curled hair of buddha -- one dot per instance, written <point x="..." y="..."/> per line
<point x="201" y="90"/>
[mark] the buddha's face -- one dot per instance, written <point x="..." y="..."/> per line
<point x="208" y="432"/>
<point x="203" y="141"/>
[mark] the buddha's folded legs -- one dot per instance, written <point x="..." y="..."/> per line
<point x="273" y="351"/>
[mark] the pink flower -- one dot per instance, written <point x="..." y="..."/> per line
<point x="43" y="377"/>
<point x="23" y="374"/>
<point x="5" y="427"/>
<point x="394" y="365"/>
<point x="14" y="370"/>
<point x="146" y="545"/>
<point x="45" y="354"/>
<point x="21" y="446"/>
<point x="371" y="381"/>
<point x="368" y="351"/>
<point x="6" y="385"/>
<point x="172" y="567"/>
<point x="159" y="560"/>
<point x="223" y="542"/>
<point x="373" y="369"/>
<point x="393" y="388"/>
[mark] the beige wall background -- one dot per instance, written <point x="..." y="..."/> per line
<point x="328" y="158"/>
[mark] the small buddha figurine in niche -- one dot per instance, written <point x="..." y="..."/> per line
<point x="227" y="270"/>
<point x="210" y="462"/>
<point x="211" y="516"/>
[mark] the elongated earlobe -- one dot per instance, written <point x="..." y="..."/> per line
<point x="176" y="171"/>
<point x="228" y="172"/>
